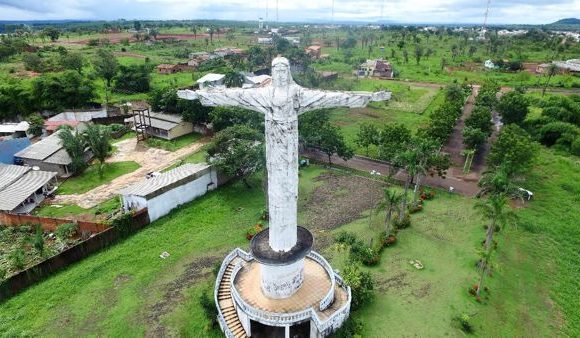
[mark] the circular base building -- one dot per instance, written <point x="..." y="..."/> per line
<point x="280" y="294"/>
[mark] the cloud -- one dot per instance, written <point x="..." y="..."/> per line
<point x="405" y="11"/>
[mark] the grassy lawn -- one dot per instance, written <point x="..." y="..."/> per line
<point x="532" y="293"/>
<point x="62" y="211"/>
<point x="408" y="106"/>
<point x="175" y="144"/>
<point x="91" y="179"/>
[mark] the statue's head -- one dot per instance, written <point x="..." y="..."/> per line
<point x="281" y="76"/>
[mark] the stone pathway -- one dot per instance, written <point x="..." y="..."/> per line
<point x="150" y="159"/>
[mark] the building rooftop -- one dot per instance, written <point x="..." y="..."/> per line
<point x="157" y="185"/>
<point x="42" y="149"/>
<point x="10" y="128"/>
<point x="11" y="173"/>
<point x="161" y="121"/>
<point x="14" y="194"/>
<point x="211" y="78"/>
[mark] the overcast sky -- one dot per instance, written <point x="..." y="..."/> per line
<point x="405" y="11"/>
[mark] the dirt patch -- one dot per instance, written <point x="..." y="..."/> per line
<point x="397" y="282"/>
<point x="341" y="199"/>
<point x="121" y="280"/>
<point x="173" y="293"/>
<point x="423" y="291"/>
<point x="365" y="112"/>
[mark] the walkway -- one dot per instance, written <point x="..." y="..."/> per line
<point x="150" y="159"/>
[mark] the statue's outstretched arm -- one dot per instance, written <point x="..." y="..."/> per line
<point x="311" y="99"/>
<point x="230" y="97"/>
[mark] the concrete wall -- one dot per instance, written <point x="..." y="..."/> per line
<point x="161" y="205"/>
<point x="183" y="128"/>
<point x="58" y="168"/>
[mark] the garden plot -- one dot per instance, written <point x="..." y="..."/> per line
<point x="150" y="159"/>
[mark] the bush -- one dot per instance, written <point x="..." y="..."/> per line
<point x="37" y="240"/>
<point x="66" y="230"/>
<point x="404" y="223"/>
<point x="464" y="321"/>
<point x="350" y="328"/>
<point x="575" y="148"/>
<point x="344" y="237"/>
<point x="361" y="284"/>
<point x="17" y="259"/>
<point x="363" y="253"/>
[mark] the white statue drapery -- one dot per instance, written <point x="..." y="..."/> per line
<point x="281" y="103"/>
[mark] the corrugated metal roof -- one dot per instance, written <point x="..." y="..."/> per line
<point x="165" y="125"/>
<point x="154" y="186"/>
<point x="14" y="127"/>
<point x="211" y="78"/>
<point x="60" y="157"/>
<point x="41" y="149"/>
<point x="12" y="196"/>
<point x="10" y="173"/>
<point x="167" y="117"/>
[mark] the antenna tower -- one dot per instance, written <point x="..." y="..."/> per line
<point x="484" y="28"/>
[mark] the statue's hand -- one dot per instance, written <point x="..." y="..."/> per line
<point x="187" y="94"/>
<point x="381" y="96"/>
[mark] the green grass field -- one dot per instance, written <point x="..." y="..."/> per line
<point x="532" y="293"/>
<point x="62" y="211"/>
<point x="91" y="179"/>
<point x="173" y="145"/>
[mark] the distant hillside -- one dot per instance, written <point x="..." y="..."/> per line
<point x="569" y="21"/>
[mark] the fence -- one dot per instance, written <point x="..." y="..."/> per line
<point x="36" y="273"/>
<point x="50" y="224"/>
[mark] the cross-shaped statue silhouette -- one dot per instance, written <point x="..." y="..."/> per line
<point x="282" y="102"/>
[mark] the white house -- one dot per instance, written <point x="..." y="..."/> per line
<point x="211" y="81"/>
<point x="489" y="64"/>
<point x="162" y="193"/>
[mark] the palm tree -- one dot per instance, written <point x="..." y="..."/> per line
<point x="98" y="139"/>
<point x="496" y="210"/>
<point x="496" y="182"/>
<point x="390" y="203"/>
<point x="74" y="145"/>
<point x="552" y="70"/>
<point x="194" y="29"/>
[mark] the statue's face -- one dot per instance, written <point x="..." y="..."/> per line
<point x="280" y="75"/>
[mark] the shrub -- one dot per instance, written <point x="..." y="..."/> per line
<point x="37" y="240"/>
<point x="3" y="274"/>
<point x="363" y="253"/>
<point x="350" y="328"/>
<point x="361" y="284"/>
<point x="17" y="259"/>
<point x="575" y="148"/>
<point x="464" y="321"/>
<point x="404" y="223"/>
<point x="344" y="237"/>
<point x="66" y="230"/>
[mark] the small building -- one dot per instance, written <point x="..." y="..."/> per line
<point x="211" y="81"/>
<point x="564" y="67"/>
<point x="10" y="146"/>
<point x="161" y="194"/>
<point x="488" y="64"/>
<point x="165" y="68"/>
<point x="228" y="51"/>
<point x="165" y="126"/>
<point x="376" y="68"/>
<point x="14" y="130"/>
<point x="265" y="41"/>
<point x="48" y="154"/>
<point x="314" y="51"/>
<point x="51" y="126"/>
<point x="294" y="40"/>
<point x="23" y="188"/>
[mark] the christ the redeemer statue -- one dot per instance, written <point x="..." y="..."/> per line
<point x="282" y="102"/>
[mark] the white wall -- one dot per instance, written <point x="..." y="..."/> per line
<point x="132" y="202"/>
<point x="161" y="205"/>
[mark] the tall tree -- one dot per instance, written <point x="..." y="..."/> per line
<point x="238" y="152"/>
<point x="390" y="203"/>
<point x="513" y="108"/>
<point x="233" y="79"/>
<point x="74" y="145"/>
<point x="513" y="149"/>
<point x="551" y="71"/>
<point x="106" y="66"/>
<point x="368" y="134"/>
<point x="98" y="139"/>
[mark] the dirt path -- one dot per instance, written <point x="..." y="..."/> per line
<point x="466" y="186"/>
<point x="150" y="159"/>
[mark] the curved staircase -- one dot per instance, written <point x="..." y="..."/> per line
<point x="226" y="304"/>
